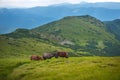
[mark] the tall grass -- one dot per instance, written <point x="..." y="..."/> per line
<point x="77" y="68"/>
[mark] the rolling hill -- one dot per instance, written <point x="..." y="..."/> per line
<point x="79" y="35"/>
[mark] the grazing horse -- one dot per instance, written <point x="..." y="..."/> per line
<point x="47" y="56"/>
<point x="35" y="57"/>
<point x="61" y="54"/>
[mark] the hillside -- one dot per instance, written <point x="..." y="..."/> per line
<point x="114" y="27"/>
<point x="78" y="35"/>
<point x="84" y="34"/>
<point x="21" y="47"/>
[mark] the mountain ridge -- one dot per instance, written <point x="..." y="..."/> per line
<point x="11" y="19"/>
<point x="85" y="35"/>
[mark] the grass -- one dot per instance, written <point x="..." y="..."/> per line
<point x="26" y="46"/>
<point x="77" y="68"/>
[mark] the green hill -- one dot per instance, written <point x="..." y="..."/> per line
<point x="21" y="47"/>
<point x="114" y="27"/>
<point x="81" y="35"/>
<point x="84" y="34"/>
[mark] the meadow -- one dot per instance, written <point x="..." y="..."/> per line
<point x="72" y="68"/>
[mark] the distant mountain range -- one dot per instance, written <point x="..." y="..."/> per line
<point x="78" y="35"/>
<point x="11" y="19"/>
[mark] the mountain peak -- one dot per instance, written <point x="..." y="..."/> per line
<point x="72" y="25"/>
<point x="83" y="16"/>
<point x="86" y="18"/>
<point x="77" y="32"/>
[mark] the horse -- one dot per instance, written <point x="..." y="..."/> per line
<point x="61" y="54"/>
<point x="47" y="56"/>
<point x="35" y="57"/>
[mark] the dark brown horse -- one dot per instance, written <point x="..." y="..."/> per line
<point x="35" y="57"/>
<point x="47" y="56"/>
<point x="61" y="54"/>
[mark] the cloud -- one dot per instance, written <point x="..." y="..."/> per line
<point x="102" y="1"/>
<point x="32" y="3"/>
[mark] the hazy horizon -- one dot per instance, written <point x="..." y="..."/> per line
<point x="35" y="3"/>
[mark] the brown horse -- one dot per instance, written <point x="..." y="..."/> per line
<point x="35" y="57"/>
<point x="61" y="54"/>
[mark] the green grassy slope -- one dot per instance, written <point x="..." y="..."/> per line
<point x="26" y="46"/>
<point x="75" y="28"/>
<point x="77" y="68"/>
<point x="81" y="33"/>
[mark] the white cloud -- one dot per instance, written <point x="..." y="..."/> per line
<point x="32" y="3"/>
<point x="103" y="1"/>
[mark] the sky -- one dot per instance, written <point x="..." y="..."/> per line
<point x="33" y="3"/>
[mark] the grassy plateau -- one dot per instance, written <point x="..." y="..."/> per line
<point x="77" y="68"/>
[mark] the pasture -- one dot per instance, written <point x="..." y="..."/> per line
<point x="72" y="68"/>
